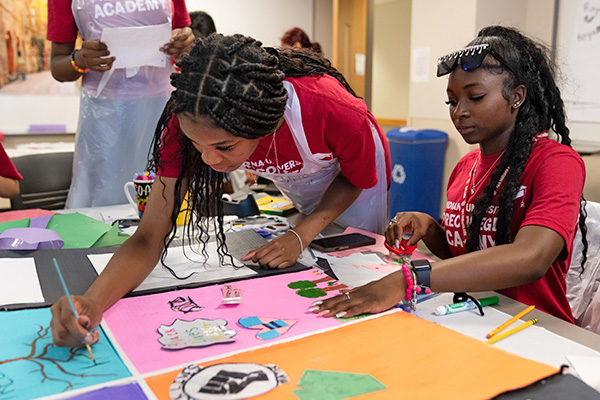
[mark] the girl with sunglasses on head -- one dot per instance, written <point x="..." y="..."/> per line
<point x="286" y="115"/>
<point x="513" y="204"/>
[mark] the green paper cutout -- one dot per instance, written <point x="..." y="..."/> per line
<point x="332" y="385"/>
<point x="111" y="238"/>
<point x="77" y="230"/>
<point x="311" y="293"/>
<point x="301" y="284"/>
<point x="359" y="316"/>
<point x="20" y="223"/>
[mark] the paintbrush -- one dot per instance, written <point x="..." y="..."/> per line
<point x="64" y="284"/>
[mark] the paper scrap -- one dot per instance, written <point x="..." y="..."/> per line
<point x="197" y="333"/>
<point x="231" y="295"/>
<point x="19" y="281"/>
<point x="137" y="46"/>
<point x="331" y="385"/>
<point x="587" y="369"/>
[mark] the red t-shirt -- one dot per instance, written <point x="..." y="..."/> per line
<point x="335" y="123"/>
<point x="62" y="27"/>
<point x="7" y="168"/>
<point x="549" y="196"/>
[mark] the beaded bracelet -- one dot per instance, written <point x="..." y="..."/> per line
<point x="74" y="64"/>
<point x="411" y="291"/>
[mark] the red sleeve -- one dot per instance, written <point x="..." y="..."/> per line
<point x="7" y="168"/>
<point x="61" y="24"/>
<point x="556" y="188"/>
<point x="181" y="18"/>
<point x="170" y="157"/>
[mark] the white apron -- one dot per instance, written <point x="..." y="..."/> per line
<point x="306" y="187"/>
<point x="116" y="125"/>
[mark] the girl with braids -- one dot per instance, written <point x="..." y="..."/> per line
<point x="286" y="115"/>
<point x="513" y="203"/>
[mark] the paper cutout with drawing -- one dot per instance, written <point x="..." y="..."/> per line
<point x="132" y="391"/>
<point x="231" y="295"/>
<point x="183" y="305"/>
<point x="332" y="385"/>
<point x="226" y="381"/>
<point x="32" y="366"/>
<point x="197" y="333"/>
<point x="270" y="328"/>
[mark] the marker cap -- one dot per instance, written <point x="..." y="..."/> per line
<point x="489" y="301"/>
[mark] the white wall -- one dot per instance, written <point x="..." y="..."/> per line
<point x="265" y="20"/>
<point x="391" y="59"/>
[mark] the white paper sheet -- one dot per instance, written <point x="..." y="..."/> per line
<point x="346" y="271"/>
<point x="534" y="342"/>
<point x="587" y="367"/>
<point x="176" y="259"/>
<point x="19" y="281"/>
<point x="137" y="46"/>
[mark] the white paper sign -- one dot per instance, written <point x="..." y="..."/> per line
<point x="137" y="46"/>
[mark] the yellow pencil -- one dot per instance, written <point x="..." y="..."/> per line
<point x="510" y="321"/>
<point x="513" y="330"/>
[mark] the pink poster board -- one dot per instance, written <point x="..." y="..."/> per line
<point x="134" y="321"/>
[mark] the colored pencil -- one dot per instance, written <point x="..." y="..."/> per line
<point x="513" y="330"/>
<point x="64" y="285"/>
<point x="510" y="321"/>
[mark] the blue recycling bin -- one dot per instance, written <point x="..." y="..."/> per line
<point x="417" y="170"/>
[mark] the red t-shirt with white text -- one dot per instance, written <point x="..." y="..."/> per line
<point x="549" y="196"/>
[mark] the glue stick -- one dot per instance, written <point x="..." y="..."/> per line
<point x="466" y="305"/>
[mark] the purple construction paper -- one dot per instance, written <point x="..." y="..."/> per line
<point x="40" y="222"/>
<point x="125" y="392"/>
<point x="30" y="239"/>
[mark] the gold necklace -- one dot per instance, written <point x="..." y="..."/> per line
<point x="476" y="185"/>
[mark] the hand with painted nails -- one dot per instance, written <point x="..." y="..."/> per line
<point x="67" y="331"/>
<point x="373" y="297"/>
<point x="415" y="223"/>
<point x="181" y="42"/>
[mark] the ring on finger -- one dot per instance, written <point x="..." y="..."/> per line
<point x="347" y="295"/>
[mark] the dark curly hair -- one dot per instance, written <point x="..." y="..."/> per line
<point x="542" y="110"/>
<point x="239" y="85"/>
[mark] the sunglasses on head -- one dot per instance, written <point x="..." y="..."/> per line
<point x="470" y="58"/>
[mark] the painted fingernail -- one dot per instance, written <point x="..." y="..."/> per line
<point x="397" y="244"/>
<point x="317" y="303"/>
<point x="340" y="314"/>
<point x="89" y="339"/>
<point x="313" y="308"/>
<point x="324" y="312"/>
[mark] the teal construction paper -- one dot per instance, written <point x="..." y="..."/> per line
<point x="32" y="366"/>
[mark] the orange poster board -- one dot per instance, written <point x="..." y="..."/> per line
<point x="412" y="357"/>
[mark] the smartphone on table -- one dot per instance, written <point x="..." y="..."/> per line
<point x="341" y="242"/>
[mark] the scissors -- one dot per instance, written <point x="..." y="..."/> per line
<point x="404" y="251"/>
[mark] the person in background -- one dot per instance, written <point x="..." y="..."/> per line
<point x="513" y="204"/>
<point x="202" y="24"/>
<point x="9" y="176"/>
<point x="119" y="108"/>
<point x="298" y="39"/>
<point x="287" y="115"/>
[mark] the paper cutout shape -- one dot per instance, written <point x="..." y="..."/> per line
<point x="197" y="333"/>
<point x="226" y="381"/>
<point x="30" y="239"/>
<point x="331" y="385"/>
<point x="183" y="305"/>
<point x="31" y="366"/>
<point x="132" y="391"/>
<point x="231" y="295"/>
<point x="270" y="328"/>
<point x="309" y="288"/>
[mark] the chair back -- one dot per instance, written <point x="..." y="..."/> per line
<point x="46" y="180"/>
<point x="583" y="287"/>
